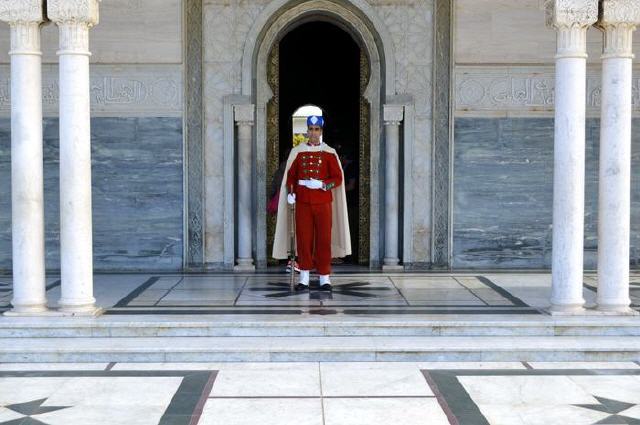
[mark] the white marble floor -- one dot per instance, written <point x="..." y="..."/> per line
<point x="320" y="393"/>
<point x="353" y="293"/>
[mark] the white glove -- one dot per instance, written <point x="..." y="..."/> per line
<point x="291" y="198"/>
<point x="314" y="184"/>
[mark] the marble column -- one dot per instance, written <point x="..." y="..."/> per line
<point x="27" y="204"/>
<point x="74" y="19"/>
<point x="244" y="117"/>
<point x="618" y="19"/>
<point x="571" y="19"/>
<point x="393" y="115"/>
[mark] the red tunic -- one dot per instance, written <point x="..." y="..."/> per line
<point x="314" y="165"/>
<point x="313" y="207"/>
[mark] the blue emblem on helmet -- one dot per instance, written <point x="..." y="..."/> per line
<point x="315" y="120"/>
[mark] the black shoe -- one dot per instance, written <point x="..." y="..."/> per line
<point x="325" y="287"/>
<point x="301" y="287"/>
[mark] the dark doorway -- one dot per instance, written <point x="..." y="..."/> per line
<point x="319" y="64"/>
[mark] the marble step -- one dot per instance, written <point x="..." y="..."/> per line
<point x="310" y="326"/>
<point x="276" y="349"/>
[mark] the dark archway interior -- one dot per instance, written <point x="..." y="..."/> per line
<point x="320" y="65"/>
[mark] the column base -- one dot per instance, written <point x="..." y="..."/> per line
<point x="616" y="310"/>
<point x="392" y="267"/>
<point x="28" y="312"/>
<point x="28" y="309"/>
<point x="89" y="312"/>
<point x="567" y="310"/>
<point x="239" y="268"/>
<point x="244" y="265"/>
<point x="78" y="309"/>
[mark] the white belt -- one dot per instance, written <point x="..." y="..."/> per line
<point x="304" y="182"/>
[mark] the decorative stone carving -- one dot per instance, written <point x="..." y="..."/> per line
<point x="490" y="90"/>
<point x="618" y="20"/>
<point x="74" y="18"/>
<point x="21" y="11"/>
<point x="135" y="90"/>
<point x="440" y="204"/>
<point x="571" y="18"/>
<point x="274" y="7"/>
<point x="73" y="11"/>
<point x="570" y="13"/>
<point x="194" y="226"/>
<point x="620" y="12"/>
<point x="24" y="17"/>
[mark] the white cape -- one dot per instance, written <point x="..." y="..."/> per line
<point x="340" y="236"/>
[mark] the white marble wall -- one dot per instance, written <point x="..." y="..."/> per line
<point x="510" y="32"/>
<point x="225" y="25"/>
<point x="136" y="61"/>
<point x="411" y="26"/>
<point x="130" y="31"/>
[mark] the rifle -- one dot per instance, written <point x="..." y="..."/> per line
<point x="292" y="245"/>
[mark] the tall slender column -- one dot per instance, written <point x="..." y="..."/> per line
<point x="244" y="119"/>
<point x="570" y="18"/>
<point x="27" y="205"/>
<point x="618" y="19"/>
<point x="393" y="115"/>
<point x="74" y="18"/>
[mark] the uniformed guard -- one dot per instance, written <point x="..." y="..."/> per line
<point x="313" y="182"/>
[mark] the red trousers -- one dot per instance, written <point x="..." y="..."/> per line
<point x="313" y="236"/>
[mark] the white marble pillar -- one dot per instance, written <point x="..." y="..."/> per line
<point x="74" y="19"/>
<point x="618" y="19"/>
<point x="244" y="117"/>
<point x="27" y="205"/>
<point x="393" y="115"/>
<point x="570" y="18"/>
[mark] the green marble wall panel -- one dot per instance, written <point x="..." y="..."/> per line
<point x="137" y="193"/>
<point x="503" y="190"/>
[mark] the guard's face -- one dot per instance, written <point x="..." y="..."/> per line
<point x="314" y="132"/>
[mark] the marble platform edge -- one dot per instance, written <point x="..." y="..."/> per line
<point x="270" y="327"/>
<point x="309" y="349"/>
<point x="258" y="320"/>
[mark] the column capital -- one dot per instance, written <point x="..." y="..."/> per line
<point x="22" y="11"/>
<point x="244" y="114"/>
<point x="618" y="19"/>
<point x="571" y="18"/>
<point x="392" y="114"/>
<point x="73" y="11"/>
<point x="571" y="13"/>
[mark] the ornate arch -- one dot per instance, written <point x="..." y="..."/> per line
<point x="355" y="17"/>
<point x="272" y="17"/>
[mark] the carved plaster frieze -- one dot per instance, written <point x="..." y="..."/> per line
<point x="73" y="11"/>
<point x="115" y="91"/>
<point x="490" y="91"/>
<point x="21" y="11"/>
